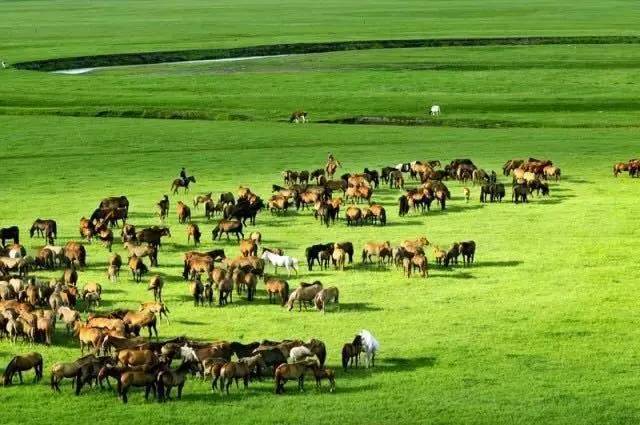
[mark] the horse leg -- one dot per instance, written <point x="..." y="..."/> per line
<point x="20" y="376"/>
<point x="180" y="387"/>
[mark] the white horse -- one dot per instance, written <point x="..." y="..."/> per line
<point x="299" y="353"/>
<point x="285" y="261"/>
<point x="369" y="345"/>
<point x="435" y="110"/>
<point x="188" y="354"/>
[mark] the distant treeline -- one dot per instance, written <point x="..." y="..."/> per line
<point x="120" y="59"/>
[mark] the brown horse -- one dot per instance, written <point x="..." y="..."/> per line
<point x="75" y="252"/>
<point x="419" y="262"/>
<point x="178" y="183"/>
<point x="468" y="251"/>
<point x="619" y="168"/>
<point x="351" y="352"/>
<point x="371" y="249"/>
<point x="276" y="286"/>
<point x="228" y="226"/>
<point x="321" y="373"/>
<point x="138" y="268"/>
<point x="240" y="369"/>
<point x="193" y="230"/>
<point x="19" y="364"/>
<point x="141" y="251"/>
<point x="141" y="319"/>
<point x="304" y="294"/>
<point x="46" y="228"/>
<point x="201" y="199"/>
<point x="128" y="379"/>
<point x="153" y="235"/>
<point x="88" y="336"/>
<point x="353" y="215"/>
<point x="248" y="247"/>
<point x="156" y="307"/>
<point x="155" y="284"/>
<point x="296" y="371"/>
<point x="163" y="207"/>
<point x="183" y="212"/>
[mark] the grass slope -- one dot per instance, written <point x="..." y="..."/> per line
<point x="539" y="330"/>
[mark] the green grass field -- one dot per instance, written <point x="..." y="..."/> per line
<point x="542" y="329"/>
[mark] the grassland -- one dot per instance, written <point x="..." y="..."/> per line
<point x="540" y="330"/>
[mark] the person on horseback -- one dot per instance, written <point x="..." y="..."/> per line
<point x="183" y="176"/>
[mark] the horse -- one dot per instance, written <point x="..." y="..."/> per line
<point x="434" y="110"/>
<point x="178" y="183"/>
<point x="19" y="364"/>
<point x="136" y="378"/>
<point x="163" y="207"/>
<point x="298" y="116"/>
<point x="325" y="296"/>
<point x="321" y="373"/>
<point x="167" y="379"/>
<point x="155" y="284"/>
<point x="153" y="235"/>
<point x="468" y="251"/>
<point x="193" y="230"/>
<point x="138" y="268"/>
<point x="201" y="199"/>
<point x="275" y="286"/>
<point x="227" y="226"/>
<point x="353" y="215"/>
<point x="47" y="229"/>
<point x="285" y="261"/>
<point x="74" y="252"/>
<point x="374" y="249"/>
<point x="9" y="233"/>
<point x="196" y="289"/>
<point x="305" y="293"/>
<point x="369" y="346"/>
<point x="284" y="372"/>
<point x="351" y="352"/>
<point x="140" y="319"/>
<point x="61" y="370"/>
<point x="240" y="369"/>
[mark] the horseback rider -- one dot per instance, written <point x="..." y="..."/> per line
<point x="183" y="176"/>
<point x="332" y="160"/>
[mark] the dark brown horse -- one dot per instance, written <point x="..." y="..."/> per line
<point x="228" y="226"/>
<point x="9" y="233"/>
<point x="19" y="364"/>
<point x="178" y="183"/>
<point x="351" y="352"/>
<point x="46" y="228"/>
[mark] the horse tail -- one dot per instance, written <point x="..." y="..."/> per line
<point x="345" y="356"/>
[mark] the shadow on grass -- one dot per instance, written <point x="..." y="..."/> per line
<point x="353" y="307"/>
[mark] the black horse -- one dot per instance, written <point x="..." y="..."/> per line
<point x="313" y="253"/>
<point x="9" y="233"/>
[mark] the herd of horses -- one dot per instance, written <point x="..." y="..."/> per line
<point x="632" y="167"/>
<point x="133" y="362"/>
<point x="30" y="307"/>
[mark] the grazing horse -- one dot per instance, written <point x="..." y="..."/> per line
<point x="321" y="373"/>
<point x="285" y="372"/>
<point x="47" y="229"/>
<point x="19" y="364"/>
<point x="138" y="268"/>
<point x="275" y="286"/>
<point x="326" y="296"/>
<point x="178" y="183"/>
<point x="305" y="293"/>
<point x="285" y="261"/>
<point x="130" y="379"/>
<point x="9" y="233"/>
